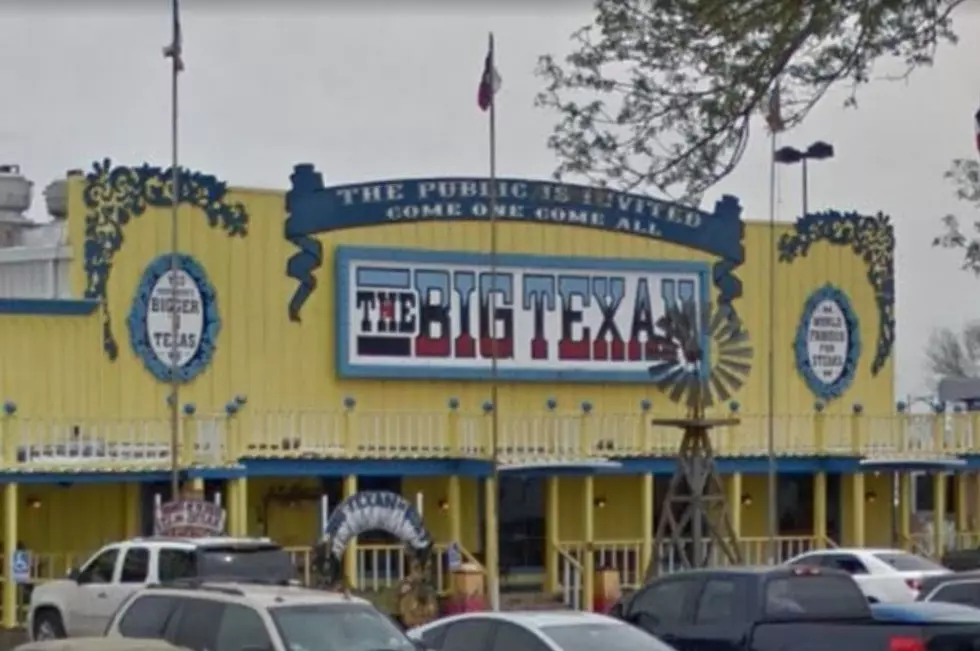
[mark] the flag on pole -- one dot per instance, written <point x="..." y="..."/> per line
<point x="175" y="50"/>
<point x="774" y="112"/>
<point x="976" y="127"/>
<point x="489" y="82"/>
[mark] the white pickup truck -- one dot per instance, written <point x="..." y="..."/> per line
<point x="83" y="603"/>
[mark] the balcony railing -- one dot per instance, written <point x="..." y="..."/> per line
<point x="224" y="439"/>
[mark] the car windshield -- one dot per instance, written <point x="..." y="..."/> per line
<point x="607" y="637"/>
<point x="908" y="562"/>
<point x="259" y="562"/>
<point x="338" y="627"/>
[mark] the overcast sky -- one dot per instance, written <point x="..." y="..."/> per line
<point x="388" y="91"/>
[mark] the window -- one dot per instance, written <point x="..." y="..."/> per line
<point x="510" y="637"/>
<point x="434" y="636"/>
<point x="467" y="635"/>
<point x="147" y="617"/>
<point x="663" y="602"/>
<point x="197" y="624"/>
<point x="101" y="568"/>
<point x="955" y="592"/>
<point x="176" y="564"/>
<point x="269" y="562"/>
<point x="845" y="562"/>
<point x="816" y="595"/>
<point x="242" y="628"/>
<point x="333" y="627"/>
<point x="606" y="637"/>
<point x="136" y="565"/>
<point x="908" y="562"/>
<point x="717" y="602"/>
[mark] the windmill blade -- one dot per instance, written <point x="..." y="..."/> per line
<point x="694" y="327"/>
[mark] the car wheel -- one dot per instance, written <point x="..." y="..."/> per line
<point x="48" y="625"/>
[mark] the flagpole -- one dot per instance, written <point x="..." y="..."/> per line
<point x="174" y="53"/>
<point x="772" y="524"/>
<point x="493" y="540"/>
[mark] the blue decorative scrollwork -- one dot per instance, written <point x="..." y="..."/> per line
<point x="870" y="237"/>
<point x="140" y="337"/>
<point x="114" y="196"/>
<point x="821" y="387"/>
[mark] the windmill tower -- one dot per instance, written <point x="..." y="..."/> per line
<point x="695" y="520"/>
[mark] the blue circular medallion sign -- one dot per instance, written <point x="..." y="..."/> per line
<point x="828" y="343"/>
<point x="174" y="322"/>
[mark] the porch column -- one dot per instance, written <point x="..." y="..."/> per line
<point x="735" y="504"/>
<point x="646" y="524"/>
<point x="939" y="512"/>
<point x="131" y="509"/>
<point x="242" y="507"/>
<point x="350" y="555"/>
<point x="454" y="497"/>
<point x="820" y="509"/>
<point x="491" y="541"/>
<point x="551" y="523"/>
<point x="962" y="505"/>
<point x="10" y="537"/>
<point x="588" y="554"/>
<point x="857" y="510"/>
<point x="905" y="510"/>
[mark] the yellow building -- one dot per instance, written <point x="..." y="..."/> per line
<point x="336" y="339"/>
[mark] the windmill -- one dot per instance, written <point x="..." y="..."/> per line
<point x="713" y="357"/>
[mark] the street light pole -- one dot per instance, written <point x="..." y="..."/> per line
<point x="787" y="156"/>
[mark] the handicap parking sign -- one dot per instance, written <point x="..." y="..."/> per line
<point x="21" y="566"/>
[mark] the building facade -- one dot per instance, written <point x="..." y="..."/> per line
<point x="391" y="335"/>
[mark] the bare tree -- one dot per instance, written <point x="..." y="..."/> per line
<point x="965" y="175"/>
<point x="659" y="94"/>
<point x="954" y="354"/>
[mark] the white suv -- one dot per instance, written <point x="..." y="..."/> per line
<point x="202" y="615"/>
<point x="82" y="604"/>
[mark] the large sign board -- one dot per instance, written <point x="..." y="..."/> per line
<point x="315" y="208"/>
<point x="406" y="313"/>
<point x="828" y="343"/>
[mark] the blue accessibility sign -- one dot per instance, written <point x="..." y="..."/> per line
<point x="21" y="569"/>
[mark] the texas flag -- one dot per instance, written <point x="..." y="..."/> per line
<point x="489" y="82"/>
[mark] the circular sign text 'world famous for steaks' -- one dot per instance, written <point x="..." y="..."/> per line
<point x="828" y="343"/>
<point x="174" y="322"/>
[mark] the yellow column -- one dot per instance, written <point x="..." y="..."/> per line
<point x="551" y="523"/>
<point x="10" y="537"/>
<point x="857" y="510"/>
<point x="939" y="513"/>
<point x="454" y="497"/>
<point x="962" y="504"/>
<point x="232" y="509"/>
<point x="350" y="556"/>
<point x="646" y="523"/>
<point x="735" y="502"/>
<point x="820" y="509"/>
<point x="491" y="541"/>
<point x="131" y="509"/>
<point x="905" y="510"/>
<point x="242" y="506"/>
<point x="588" y="562"/>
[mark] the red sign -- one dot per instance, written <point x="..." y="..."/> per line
<point x="190" y="519"/>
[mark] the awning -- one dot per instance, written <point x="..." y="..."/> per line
<point x="557" y="467"/>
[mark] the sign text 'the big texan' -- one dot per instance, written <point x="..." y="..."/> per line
<point x="435" y="314"/>
<point x="315" y="209"/>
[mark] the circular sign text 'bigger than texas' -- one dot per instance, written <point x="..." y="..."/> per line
<point x="164" y="295"/>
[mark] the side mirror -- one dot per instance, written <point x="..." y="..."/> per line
<point x="73" y="574"/>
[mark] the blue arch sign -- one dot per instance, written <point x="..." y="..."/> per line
<point x="187" y="349"/>
<point x="314" y="209"/>
<point x="828" y="343"/>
